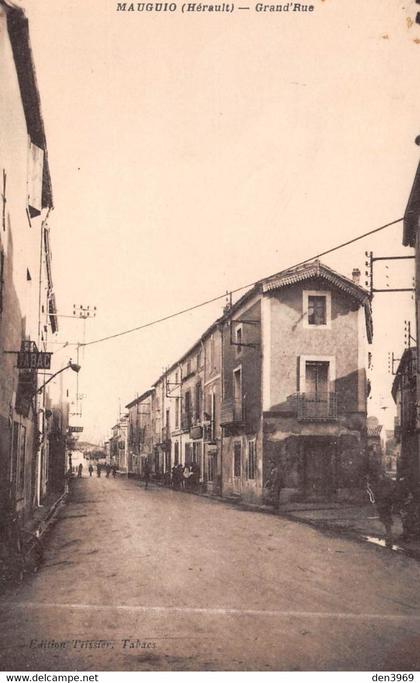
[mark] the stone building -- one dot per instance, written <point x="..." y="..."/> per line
<point x="294" y="385"/>
<point x="27" y="302"/>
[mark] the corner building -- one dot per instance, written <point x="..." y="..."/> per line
<point x="294" y="386"/>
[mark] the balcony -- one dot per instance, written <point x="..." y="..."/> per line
<point x="315" y="408"/>
<point x="233" y="412"/>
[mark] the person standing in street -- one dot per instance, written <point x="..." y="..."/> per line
<point x="146" y="473"/>
<point x="90" y="469"/>
<point x="275" y="484"/>
<point x="383" y="490"/>
<point x="114" y="470"/>
<point x="98" y="469"/>
<point x="79" y="470"/>
<point x="108" y="470"/>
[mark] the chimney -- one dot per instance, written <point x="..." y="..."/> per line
<point x="356" y="276"/>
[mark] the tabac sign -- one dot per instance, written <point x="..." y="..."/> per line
<point x="34" y="360"/>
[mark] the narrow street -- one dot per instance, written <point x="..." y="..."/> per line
<point x="208" y="587"/>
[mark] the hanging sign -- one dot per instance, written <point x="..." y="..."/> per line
<point x="34" y="360"/>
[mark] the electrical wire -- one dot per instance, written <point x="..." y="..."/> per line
<point x="239" y="289"/>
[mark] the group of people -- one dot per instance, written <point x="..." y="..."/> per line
<point x="99" y="467"/>
<point x="185" y="477"/>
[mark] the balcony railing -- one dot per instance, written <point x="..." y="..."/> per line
<point x="233" y="412"/>
<point x="313" y="407"/>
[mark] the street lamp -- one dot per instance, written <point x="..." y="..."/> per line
<point x="73" y="366"/>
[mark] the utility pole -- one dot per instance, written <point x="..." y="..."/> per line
<point x="82" y="312"/>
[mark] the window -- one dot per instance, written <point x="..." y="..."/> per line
<point x="196" y="452"/>
<point x="177" y="413"/>
<point x="188" y="454"/>
<point x="317" y="309"/>
<point x="251" y="460"/>
<point x="213" y="416"/>
<point x="316" y="379"/>
<point x="237" y="395"/>
<point x="237" y="459"/>
<point x="21" y="453"/>
<point x="187" y="408"/>
<point x="317" y="399"/>
<point x="188" y="367"/>
<point x="176" y="453"/>
<point x="212" y="353"/>
<point x="237" y="384"/>
<point x="198" y="400"/>
<point x="238" y="340"/>
<point x="199" y="360"/>
<point x="316" y="374"/>
<point x="211" y="466"/>
<point x="14" y="460"/>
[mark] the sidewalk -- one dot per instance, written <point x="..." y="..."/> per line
<point x="360" y="522"/>
<point x="43" y="516"/>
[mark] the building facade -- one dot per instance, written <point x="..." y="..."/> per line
<point x="139" y="433"/>
<point x="404" y="393"/>
<point x="295" y="390"/>
<point x="279" y="379"/>
<point x="27" y="302"/>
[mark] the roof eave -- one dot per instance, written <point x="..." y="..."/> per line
<point x="18" y="29"/>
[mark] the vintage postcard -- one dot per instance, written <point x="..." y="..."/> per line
<point x="209" y="393"/>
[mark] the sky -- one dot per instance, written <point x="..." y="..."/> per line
<point x="194" y="153"/>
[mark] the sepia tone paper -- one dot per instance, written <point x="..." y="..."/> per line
<point x="196" y="149"/>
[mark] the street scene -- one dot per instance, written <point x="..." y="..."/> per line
<point x="128" y="566"/>
<point x="209" y="324"/>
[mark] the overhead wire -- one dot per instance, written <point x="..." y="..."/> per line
<point x="241" y="288"/>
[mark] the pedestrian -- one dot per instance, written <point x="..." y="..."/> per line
<point x="114" y="470"/>
<point x="146" y="473"/>
<point x="195" y="475"/>
<point x="407" y="505"/>
<point x="186" y="473"/>
<point x="108" y="470"/>
<point x="382" y="490"/>
<point x="90" y="469"/>
<point x="275" y="484"/>
<point x="79" y="470"/>
<point x="98" y="469"/>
